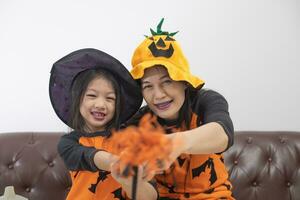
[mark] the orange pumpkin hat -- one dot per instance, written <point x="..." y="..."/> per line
<point x="162" y="49"/>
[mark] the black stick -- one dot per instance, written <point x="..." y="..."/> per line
<point x="134" y="182"/>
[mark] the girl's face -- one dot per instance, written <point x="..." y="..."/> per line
<point x="98" y="104"/>
<point x="163" y="95"/>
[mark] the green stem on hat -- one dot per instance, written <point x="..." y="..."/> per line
<point x="158" y="28"/>
<point x="159" y="31"/>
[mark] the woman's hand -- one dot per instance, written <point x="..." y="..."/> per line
<point x="178" y="148"/>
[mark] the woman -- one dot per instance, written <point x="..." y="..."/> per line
<point x="175" y="96"/>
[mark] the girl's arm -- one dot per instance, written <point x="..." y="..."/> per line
<point x="76" y="156"/>
<point x="103" y="160"/>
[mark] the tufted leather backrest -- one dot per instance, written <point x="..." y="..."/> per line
<point x="265" y="165"/>
<point x="30" y="162"/>
<point x="262" y="165"/>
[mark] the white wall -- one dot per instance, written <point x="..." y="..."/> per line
<point x="246" y="49"/>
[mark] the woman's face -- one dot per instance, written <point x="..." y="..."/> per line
<point x="163" y="95"/>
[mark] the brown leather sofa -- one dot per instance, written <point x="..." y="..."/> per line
<point x="262" y="165"/>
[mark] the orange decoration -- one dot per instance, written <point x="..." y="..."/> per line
<point x="145" y="144"/>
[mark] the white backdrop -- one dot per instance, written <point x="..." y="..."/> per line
<point x="248" y="50"/>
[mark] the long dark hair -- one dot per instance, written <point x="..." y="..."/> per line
<point x="78" y="90"/>
<point x="185" y="112"/>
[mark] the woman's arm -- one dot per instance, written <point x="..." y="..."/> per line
<point x="214" y="133"/>
<point x="207" y="139"/>
<point x="213" y="107"/>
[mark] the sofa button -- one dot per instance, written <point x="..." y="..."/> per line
<point x="288" y="184"/>
<point x="235" y="162"/>
<point x="249" y="140"/>
<point x="28" y="189"/>
<point x="51" y="164"/>
<point x="31" y="142"/>
<point x="10" y="166"/>
<point x="270" y="159"/>
<point x="254" y="183"/>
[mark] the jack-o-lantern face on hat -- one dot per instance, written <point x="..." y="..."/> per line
<point x="162" y="49"/>
<point x="161" y="46"/>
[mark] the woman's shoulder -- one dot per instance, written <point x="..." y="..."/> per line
<point x="204" y="96"/>
<point x="208" y="94"/>
<point x="206" y="100"/>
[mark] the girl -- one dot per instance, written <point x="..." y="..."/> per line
<point x="88" y="89"/>
<point x="173" y="94"/>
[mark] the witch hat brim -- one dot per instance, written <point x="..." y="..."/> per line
<point x="65" y="70"/>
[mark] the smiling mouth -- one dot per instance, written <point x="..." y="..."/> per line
<point x="164" y="105"/>
<point x="98" y="115"/>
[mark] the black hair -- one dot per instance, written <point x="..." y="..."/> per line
<point x="78" y="89"/>
<point x="185" y="112"/>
